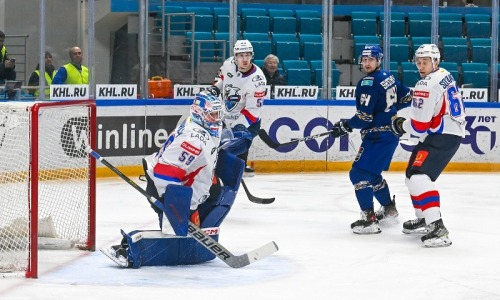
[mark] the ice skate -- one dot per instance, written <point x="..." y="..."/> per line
<point x="388" y="214"/>
<point x="367" y="224"/>
<point x="416" y="226"/>
<point x="118" y="254"/>
<point x="437" y="236"/>
<point x="249" y="172"/>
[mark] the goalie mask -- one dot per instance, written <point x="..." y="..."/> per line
<point x="207" y="111"/>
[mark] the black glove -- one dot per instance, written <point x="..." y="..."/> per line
<point x="407" y="98"/>
<point x="213" y="90"/>
<point x="397" y="126"/>
<point x="340" y="129"/>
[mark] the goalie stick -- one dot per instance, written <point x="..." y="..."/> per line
<point x="234" y="261"/>
<point x="256" y="199"/>
<point x="268" y="141"/>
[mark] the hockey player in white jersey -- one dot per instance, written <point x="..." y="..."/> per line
<point x="242" y="85"/>
<point x="189" y="155"/>
<point x="195" y="180"/>
<point x="437" y="118"/>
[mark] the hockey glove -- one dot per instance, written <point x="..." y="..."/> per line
<point x="213" y="90"/>
<point x="397" y="126"/>
<point x="407" y="98"/>
<point x="340" y="129"/>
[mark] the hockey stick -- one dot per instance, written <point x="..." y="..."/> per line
<point x="197" y="233"/>
<point x="268" y="141"/>
<point x="255" y="199"/>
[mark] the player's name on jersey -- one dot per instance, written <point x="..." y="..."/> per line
<point x="69" y="91"/>
<point x="468" y="94"/>
<point x="116" y="91"/>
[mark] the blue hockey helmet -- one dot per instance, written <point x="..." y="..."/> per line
<point x="371" y="51"/>
<point x="207" y="111"/>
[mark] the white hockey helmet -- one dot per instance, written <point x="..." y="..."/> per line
<point x="428" y="50"/>
<point x="242" y="46"/>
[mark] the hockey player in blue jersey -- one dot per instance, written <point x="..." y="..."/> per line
<point x="378" y="98"/>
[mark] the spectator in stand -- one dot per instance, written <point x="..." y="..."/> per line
<point x="469" y="3"/>
<point x="73" y="72"/>
<point x="50" y="72"/>
<point x="7" y="66"/>
<point x="273" y="76"/>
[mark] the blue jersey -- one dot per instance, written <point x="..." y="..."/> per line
<point x="378" y="98"/>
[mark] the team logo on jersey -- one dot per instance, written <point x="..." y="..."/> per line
<point x="190" y="148"/>
<point x="421" y="94"/>
<point x="257" y="78"/>
<point x="232" y="96"/>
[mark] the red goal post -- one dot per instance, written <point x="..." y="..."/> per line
<point x="47" y="181"/>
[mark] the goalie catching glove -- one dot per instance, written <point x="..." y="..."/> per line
<point x="397" y="126"/>
<point x="340" y="129"/>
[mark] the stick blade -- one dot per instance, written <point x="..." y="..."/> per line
<point x="267" y="139"/>
<point x="253" y="256"/>
<point x="256" y="199"/>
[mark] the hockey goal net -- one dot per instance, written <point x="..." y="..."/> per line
<point x="47" y="181"/>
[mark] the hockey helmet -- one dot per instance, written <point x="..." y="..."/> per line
<point x="428" y="50"/>
<point x="371" y="51"/>
<point x="207" y="111"/>
<point x="242" y="46"/>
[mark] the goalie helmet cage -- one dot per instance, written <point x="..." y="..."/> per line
<point x="47" y="180"/>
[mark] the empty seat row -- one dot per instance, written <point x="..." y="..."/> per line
<point x="469" y="74"/>
<point x="419" y="24"/>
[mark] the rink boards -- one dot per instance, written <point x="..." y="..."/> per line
<point x="129" y="129"/>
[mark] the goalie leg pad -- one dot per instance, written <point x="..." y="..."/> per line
<point x="177" y="201"/>
<point x="153" y="248"/>
<point x="230" y="171"/>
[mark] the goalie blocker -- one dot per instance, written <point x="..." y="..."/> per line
<point x="153" y="248"/>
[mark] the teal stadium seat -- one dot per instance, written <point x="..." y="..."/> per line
<point x="282" y="37"/>
<point x="261" y="49"/>
<point x="409" y="74"/>
<point x="295" y="64"/>
<point x="284" y="25"/>
<point x="255" y="36"/>
<point x="450" y="25"/>
<point x="477" y="25"/>
<point x="398" y="24"/>
<point x="199" y="10"/>
<point x="451" y="67"/>
<point x="202" y="23"/>
<point x="177" y="24"/>
<point x="419" y="24"/>
<point x="298" y="76"/>
<point x="317" y="73"/>
<point x="280" y="13"/>
<point x="287" y="50"/>
<point x="476" y="74"/>
<point x="257" y="24"/>
<point x="399" y="49"/>
<point x="224" y="36"/>
<point x="364" y="23"/>
<point x="481" y="50"/>
<point x="309" y="25"/>
<point x="455" y="49"/>
<point x="312" y="51"/>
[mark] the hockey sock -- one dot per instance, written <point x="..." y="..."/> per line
<point x="424" y="197"/>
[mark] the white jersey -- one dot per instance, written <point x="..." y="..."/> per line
<point x="243" y="93"/>
<point x="188" y="158"/>
<point x="437" y="107"/>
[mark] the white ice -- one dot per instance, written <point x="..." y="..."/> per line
<point x="319" y="256"/>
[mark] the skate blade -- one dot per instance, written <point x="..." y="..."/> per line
<point x="372" y="229"/>
<point x="420" y="231"/>
<point x="119" y="262"/>
<point x="437" y="242"/>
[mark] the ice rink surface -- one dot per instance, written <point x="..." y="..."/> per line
<point x="319" y="256"/>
